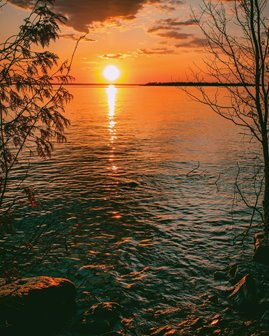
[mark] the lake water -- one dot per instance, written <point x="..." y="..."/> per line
<point x="125" y="190"/>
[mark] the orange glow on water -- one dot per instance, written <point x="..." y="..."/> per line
<point x="111" y="93"/>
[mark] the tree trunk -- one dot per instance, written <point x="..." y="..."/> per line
<point x="266" y="185"/>
<point x="266" y="204"/>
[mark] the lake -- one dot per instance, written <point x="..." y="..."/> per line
<point x="142" y="193"/>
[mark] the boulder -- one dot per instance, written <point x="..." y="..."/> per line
<point x="244" y="295"/>
<point x="101" y="318"/>
<point x="261" y="252"/>
<point x="36" y="306"/>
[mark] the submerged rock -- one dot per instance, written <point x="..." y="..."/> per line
<point x="36" y="306"/>
<point x="221" y="275"/>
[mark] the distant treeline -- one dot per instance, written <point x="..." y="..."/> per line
<point x="194" y="84"/>
<point x="148" y="84"/>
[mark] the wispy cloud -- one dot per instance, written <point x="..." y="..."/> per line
<point x="175" y="35"/>
<point x="171" y="23"/>
<point x="77" y="37"/>
<point x="195" y="42"/>
<point x="115" y="56"/>
<point x="156" y="51"/>
<point x="173" y="29"/>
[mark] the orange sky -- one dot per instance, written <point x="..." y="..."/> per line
<point x="149" y="40"/>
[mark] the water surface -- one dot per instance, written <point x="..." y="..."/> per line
<point x="151" y="226"/>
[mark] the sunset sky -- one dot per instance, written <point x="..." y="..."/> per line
<point x="148" y="40"/>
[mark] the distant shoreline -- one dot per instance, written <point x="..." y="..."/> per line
<point x="195" y="84"/>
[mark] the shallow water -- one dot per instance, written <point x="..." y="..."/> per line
<point x="144" y="187"/>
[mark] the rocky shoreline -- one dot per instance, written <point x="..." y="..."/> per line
<point x="242" y="304"/>
<point x="239" y="305"/>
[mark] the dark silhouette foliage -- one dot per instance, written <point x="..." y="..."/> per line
<point x="32" y="98"/>
<point x="237" y="35"/>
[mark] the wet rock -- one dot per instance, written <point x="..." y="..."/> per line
<point x="258" y="271"/>
<point x="36" y="306"/>
<point x="261" y="252"/>
<point x="244" y="295"/>
<point x="101" y="318"/>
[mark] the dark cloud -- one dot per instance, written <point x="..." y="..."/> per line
<point x="82" y="13"/>
<point x="171" y="24"/>
<point x="175" y="23"/>
<point x="171" y="28"/>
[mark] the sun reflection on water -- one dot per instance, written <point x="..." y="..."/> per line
<point x="111" y="92"/>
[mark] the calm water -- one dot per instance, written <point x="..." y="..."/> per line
<point x="153" y="232"/>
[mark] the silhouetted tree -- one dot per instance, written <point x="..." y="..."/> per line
<point x="31" y="107"/>
<point x="237" y="35"/>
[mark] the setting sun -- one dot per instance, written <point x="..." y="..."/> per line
<point x="111" y="73"/>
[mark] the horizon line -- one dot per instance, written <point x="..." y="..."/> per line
<point x="180" y="83"/>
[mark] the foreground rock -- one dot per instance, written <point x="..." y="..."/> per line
<point x="36" y="306"/>
<point x="244" y="295"/>
<point x="103" y="317"/>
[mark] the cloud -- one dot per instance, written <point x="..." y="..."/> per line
<point x="171" y="5"/>
<point x="115" y="56"/>
<point x="174" y="22"/>
<point x="77" y="37"/>
<point x="171" y="29"/>
<point x="83" y="13"/>
<point x="175" y="35"/>
<point x="195" y="42"/>
<point x="171" y="24"/>
<point x="156" y="51"/>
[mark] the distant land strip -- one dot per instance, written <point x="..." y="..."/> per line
<point x="195" y="84"/>
<point x="162" y="84"/>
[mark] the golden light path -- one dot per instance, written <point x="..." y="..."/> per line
<point x="111" y="92"/>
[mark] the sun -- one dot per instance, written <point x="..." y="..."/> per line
<point x="111" y="73"/>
